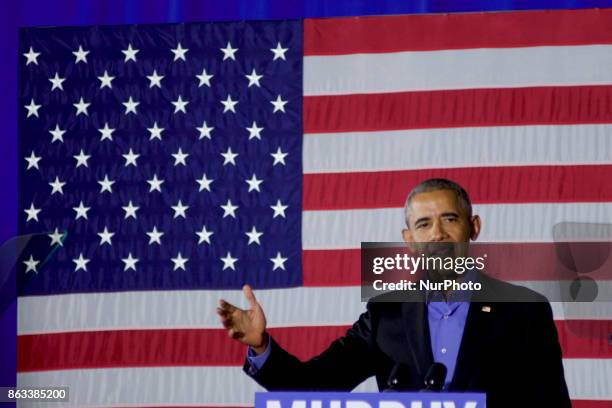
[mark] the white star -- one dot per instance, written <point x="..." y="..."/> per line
<point x="228" y="52"/>
<point x="105" y="237"/>
<point x="56" y="238"/>
<point x="254" y="78"/>
<point x="204" y="235"/>
<point x="32" y="213"/>
<point x="179" y="105"/>
<point x="279" y="157"/>
<point x="32" y="108"/>
<point x="254" y="236"/>
<point x="279" y="209"/>
<point x="106" y="184"/>
<point x="57" y="186"/>
<point x="204" y="78"/>
<point x="155" y="184"/>
<point x="130" y="263"/>
<point x="130" y="210"/>
<point x="254" y="183"/>
<point x="279" y="52"/>
<point x="229" y="209"/>
<point x="33" y="161"/>
<point x="155" y="236"/>
<point x="179" y="52"/>
<point x="107" y="133"/>
<point x="228" y="262"/>
<point x="205" y="131"/>
<point x="228" y="104"/>
<point x="179" y="210"/>
<point x="279" y="262"/>
<point x="279" y="104"/>
<point x="105" y="80"/>
<point x="130" y="53"/>
<point x="56" y="82"/>
<point x="130" y="106"/>
<point x="130" y="158"/>
<point x="179" y="262"/>
<point x="80" y="55"/>
<point x="154" y="79"/>
<point x="31" y="56"/>
<point x="204" y="182"/>
<point x="31" y="264"/>
<point x="81" y="159"/>
<point x="155" y="132"/>
<point x="57" y="134"/>
<point x="254" y="131"/>
<point x="81" y="211"/>
<point x="81" y="107"/>
<point x="81" y="263"/>
<point x="179" y="157"/>
<point x="229" y="157"/>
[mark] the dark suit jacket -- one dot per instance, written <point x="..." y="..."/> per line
<point x="511" y="352"/>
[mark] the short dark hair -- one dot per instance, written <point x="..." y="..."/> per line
<point x="435" y="184"/>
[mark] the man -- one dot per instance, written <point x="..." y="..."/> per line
<point x="509" y="350"/>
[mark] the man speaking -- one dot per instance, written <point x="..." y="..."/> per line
<point x="509" y="350"/>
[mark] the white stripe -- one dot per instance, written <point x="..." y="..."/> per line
<point x="158" y="386"/>
<point x="458" y="69"/>
<point x="532" y="222"/>
<point x="196" y="309"/>
<point x="458" y="147"/>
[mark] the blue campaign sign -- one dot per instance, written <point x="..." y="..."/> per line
<point x="369" y="400"/>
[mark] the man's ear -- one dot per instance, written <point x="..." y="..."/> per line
<point x="475" y="227"/>
<point x="408" y="238"/>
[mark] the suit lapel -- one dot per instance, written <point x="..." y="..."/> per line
<point x="417" y="334"/>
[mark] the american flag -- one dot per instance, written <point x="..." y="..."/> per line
<point x="170" y="164"/>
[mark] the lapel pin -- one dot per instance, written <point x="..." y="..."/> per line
<point x="486" y="309"/>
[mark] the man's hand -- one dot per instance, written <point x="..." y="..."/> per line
<point x="246" y="326"/>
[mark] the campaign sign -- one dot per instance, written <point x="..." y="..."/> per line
<point x="369" y="400"/>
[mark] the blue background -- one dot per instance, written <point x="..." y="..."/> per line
<point x="25" y="13"/>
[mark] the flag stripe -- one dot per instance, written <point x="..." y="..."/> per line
<point x="458" y="108"/>
<point x="457" y="69"/>
<point x="457" y="147"/>
<point x="193" y="309"/>
<point x="455" y="31"/>
<point x="486" y="185"/>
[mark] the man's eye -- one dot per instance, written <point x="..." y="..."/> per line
<point x="421" y="226"/>
<point x="451" y="219"/>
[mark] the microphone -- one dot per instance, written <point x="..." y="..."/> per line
<point x="393" y="379"/>
<point x="435" y="377"/>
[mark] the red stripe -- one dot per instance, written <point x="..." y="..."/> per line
<point x="456" y="31"/>
<point x="487" y="185"/>
<point x="458" y="108"/>
<point x="591" y="404"/>
<point x="147" y="348"/>
<point x="533" y="261"/>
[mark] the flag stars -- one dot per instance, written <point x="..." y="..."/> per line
<point x="56" y="82"/>
<point x="205" y="131"/>
<point x="32" y="108"/>
<point x="56" y="238"/>
<point x="254" y="236"/>
<point x="229" y="105"/>
<point x="130" y="106"/>
<point x="81" y="211"/>
<point x="32" y="213"/>
<point x="179" y="52"/>
<point x="229" y="157"/>
<point x="31" y="264"/>
<point x="180" y="157"/>
<point x="180" y="105"/>
<point x="154" y="79"/>
<point x="204" y="78"/>
<point x="33" y="161"/>
<point x="279" y="157"/>
<point x="81" y="159"/>
<point x="81" y="107"/>
<point x="278" y="261"/>
<point x="279" y="104"/>
<point x="106" y="80"/>
<point x="204" y="183"/>
<point x="179" y="262"/>
<point x="155" y="184"/>
<point x="155" y="236"/>
<point x="57" y="186"/>
<point x="106" y="237"/>
<point x="279" y="209"/>
<point x="279" y="52"/>
<point x="180" y="210"/>
<point x="80" y="55"/>
<point x="106" y="184"/>
<point x="229" y="261"/>
<point x="129" y="263"/>
<point x="130" y="53"/>
<point x="31" y="57"/>
<point x="204" y="235"/>
<point x="80" y="263"/>
<point x="58" y="134"/>
<point x="254" y="183"/>
<point x="228" y="52"/>
<point x="229" y="210"/>
<point x="254" y="131"/>
<point x="155" y="132"/>
<point x="130" y="158"/>
<point x="130" y="210"/>
<point x="106" y="132"/>
<point x="254" y="78"/>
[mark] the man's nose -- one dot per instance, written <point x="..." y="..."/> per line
<point x="437" y="232"/>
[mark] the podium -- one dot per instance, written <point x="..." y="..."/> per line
<point x="369" y="400"/>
